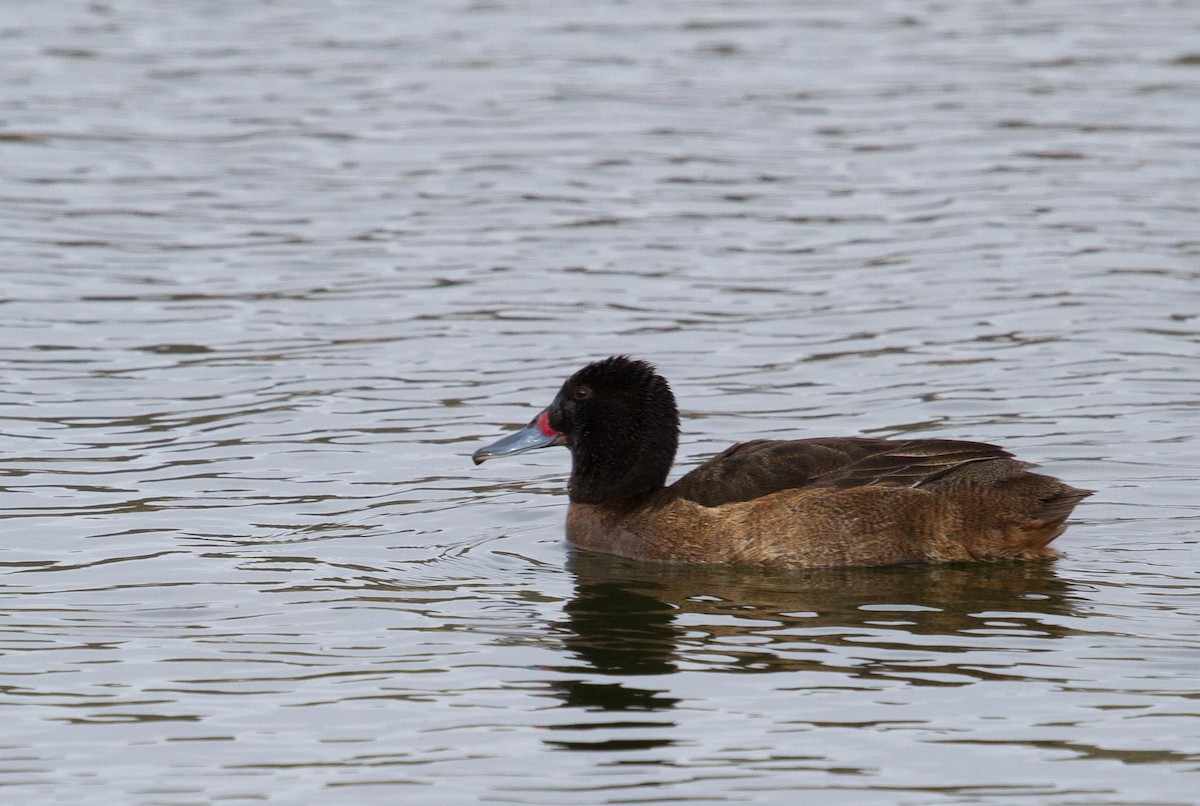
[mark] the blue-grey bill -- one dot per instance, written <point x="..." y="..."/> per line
<point x="527" y="439"/>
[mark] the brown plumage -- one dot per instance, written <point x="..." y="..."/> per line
<point x="836" y="501"/>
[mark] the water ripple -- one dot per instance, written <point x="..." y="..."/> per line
<point x="272" y="274"/>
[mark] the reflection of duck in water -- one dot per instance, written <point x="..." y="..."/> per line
<point x="837" y="501"/>
<point x="631" y="626"/>
<point x="631" y="619"/>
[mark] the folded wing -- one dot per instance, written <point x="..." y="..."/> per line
<point x="753" y="469"/>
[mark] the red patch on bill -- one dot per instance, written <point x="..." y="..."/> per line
<point x="543" y="424"/>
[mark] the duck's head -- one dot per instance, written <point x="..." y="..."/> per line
<point x="619" y="420"/>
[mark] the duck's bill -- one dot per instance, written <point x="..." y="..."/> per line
<point x="529" y="438"/>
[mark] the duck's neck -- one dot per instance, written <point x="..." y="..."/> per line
<point x="621" y="474"/>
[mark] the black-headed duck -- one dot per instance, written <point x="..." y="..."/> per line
<point x="806" y="503"/>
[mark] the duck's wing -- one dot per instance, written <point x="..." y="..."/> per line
<point x="750" y="470"/>
<point x="915" y="463"/>
<point x="760" y="467"/>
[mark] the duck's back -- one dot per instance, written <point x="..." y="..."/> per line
<point x="750" y="470"/>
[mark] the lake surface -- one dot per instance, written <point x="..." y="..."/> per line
<point x="269" y="272"/>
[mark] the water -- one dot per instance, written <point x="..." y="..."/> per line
<point x="270" y="272"/>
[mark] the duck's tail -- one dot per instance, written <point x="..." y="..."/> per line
<point x="1044" y="504"/>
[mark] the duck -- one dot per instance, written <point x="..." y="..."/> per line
<point x="821" y="502"/>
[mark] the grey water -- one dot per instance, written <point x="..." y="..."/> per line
<point x="269" y="272"/>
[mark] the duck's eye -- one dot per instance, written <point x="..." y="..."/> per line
<point x="582" y="393"/>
